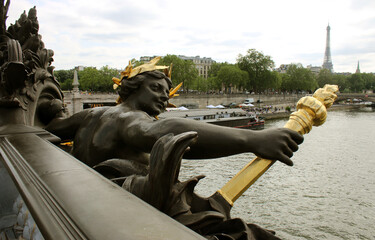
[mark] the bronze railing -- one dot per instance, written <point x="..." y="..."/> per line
<point x="69" y="200"/>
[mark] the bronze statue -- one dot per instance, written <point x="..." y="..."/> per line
<point x="127" y="143"/>
<point x="129" y="130"/>
<point x="130" y="146"/>
<point x="117" y="141"/>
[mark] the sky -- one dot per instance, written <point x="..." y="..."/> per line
<point x="100" y="33"/>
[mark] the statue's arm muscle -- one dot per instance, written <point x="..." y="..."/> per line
<point x="66" y="128"/>
<point x="213" y="141"/>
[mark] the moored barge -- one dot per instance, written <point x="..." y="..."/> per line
<point x="237" y="118"/>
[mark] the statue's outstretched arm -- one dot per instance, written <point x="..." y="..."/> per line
<point x="214" y="141"/>
<point x="66" y="128"/>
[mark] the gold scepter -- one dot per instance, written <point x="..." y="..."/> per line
<point x="311" y="111"/>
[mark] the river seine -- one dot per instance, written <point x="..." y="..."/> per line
<point x="329" y="193"/>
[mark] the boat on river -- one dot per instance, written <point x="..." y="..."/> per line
<point x="237" y="118"/>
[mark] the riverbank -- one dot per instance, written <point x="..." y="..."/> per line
<point x="200" y="101"/>
<point x="286" y="114"/>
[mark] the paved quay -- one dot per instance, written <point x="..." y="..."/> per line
<point x="285" y="114"/>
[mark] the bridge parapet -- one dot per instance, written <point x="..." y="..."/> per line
<point x="69" y="200"/>
<point x="66" y="198"/>
<point x="370" y="97"/>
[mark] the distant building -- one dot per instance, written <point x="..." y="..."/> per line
<point x="343" y="73"/>
<point x="146" y="58"/>
<point x="203" y="65"/>
<point x="314" y="69"/>
<point x="283" y="68"/>
<point x="79" y="68"/>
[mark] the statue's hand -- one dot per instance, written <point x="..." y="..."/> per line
<point x="327" y="94"/>
<point x="48" y="109"/>
<point x="277" y="144"/>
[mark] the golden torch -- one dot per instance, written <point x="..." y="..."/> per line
<point x="311" y="111"/>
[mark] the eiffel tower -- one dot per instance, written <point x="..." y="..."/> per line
<point x="327" y="64"/>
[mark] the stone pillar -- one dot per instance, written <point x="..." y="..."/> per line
<point x="77" y="99"/>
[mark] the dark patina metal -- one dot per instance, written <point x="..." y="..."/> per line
<point x="67" y="199"/>
<point x="125" y="143"/>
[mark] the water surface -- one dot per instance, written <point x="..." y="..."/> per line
<point x="329" y="193"/>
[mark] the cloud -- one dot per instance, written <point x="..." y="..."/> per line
<point x="362" y="4"/>
<point x="98" y="33"/>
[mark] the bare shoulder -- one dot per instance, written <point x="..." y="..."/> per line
<point x="135" y="115"/>
<point x="98" y="110"/>
<point x="120" y="118"/>
<point x="92" y="114"/>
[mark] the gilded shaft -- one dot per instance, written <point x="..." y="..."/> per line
<point x="311" y="111"/>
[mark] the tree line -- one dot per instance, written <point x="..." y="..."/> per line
<point x="252" y="72"/>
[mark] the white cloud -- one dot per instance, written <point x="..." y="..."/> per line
<point x="98" y="33"/>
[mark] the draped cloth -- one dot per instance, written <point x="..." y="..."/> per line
<point x="160" y="187"/>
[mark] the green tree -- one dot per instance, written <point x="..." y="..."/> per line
<point x="258" y="67"/>
<point x="92" y="79"/>
<point x="275" y="80"/>
<point x="89" y="79"/>
<point x="325" y="76"/>
<point x="183" y="71"/>
<point x="241" y="83"/>
<point x="369" y="80"/>
<point x="106" y="75"/>
<point x="67" y="84"/>
<point x="214" y="69"/>
<point x="300" y="78"/>
<point x="226" y="75"/>
<point x="272" y="80"/>
<point x="200" y="84"/>
<point x="356" y="82"/>
<point x="213" y="81"/>
<point x="286" y="83"/>
<point x="341" y="81"/>
<point x="230" y="76"/>
<point x="63" y="75"/>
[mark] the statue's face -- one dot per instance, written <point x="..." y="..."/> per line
<point x="152" y="96"/>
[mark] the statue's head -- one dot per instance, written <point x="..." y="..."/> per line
<point x="145" y="86"/>
<point x="148" y="91"/>
<point x="131" y="86"/>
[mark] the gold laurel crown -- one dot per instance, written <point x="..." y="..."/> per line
<point x="130" y="72"/>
